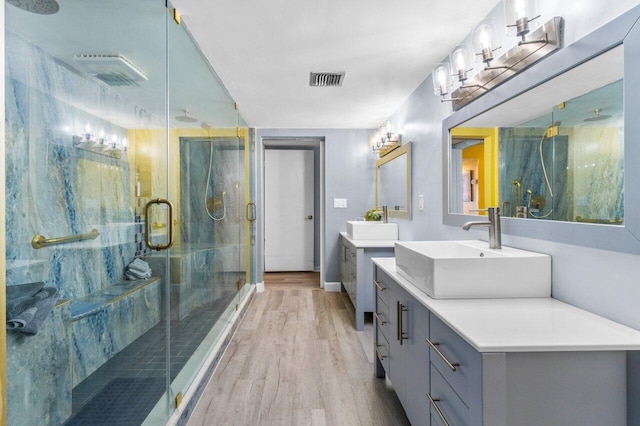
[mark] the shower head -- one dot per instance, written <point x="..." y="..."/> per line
<point x="597" y="117"/>
<point x="185" y="117"/>
<point x="40" y="7"/>
<point x="516" y="182"/>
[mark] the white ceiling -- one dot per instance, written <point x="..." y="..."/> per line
<point x="263" y="52"/>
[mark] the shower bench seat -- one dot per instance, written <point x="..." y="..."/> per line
<point x="101" y="300"/>
<point x="107" y="321"/>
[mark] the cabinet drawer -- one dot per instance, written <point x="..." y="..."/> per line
<point x="382" y="320"/>
<point x="381" y="284"/>
<point x="451" y="407"/>
<point x="466" y="362"/>
<point x="382" y="349"/>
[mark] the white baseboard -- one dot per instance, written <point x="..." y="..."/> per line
<point x="259" y="287"/>
<point x="333" y="287"/>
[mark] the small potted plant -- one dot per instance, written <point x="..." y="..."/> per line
<point x="373" y="215"/>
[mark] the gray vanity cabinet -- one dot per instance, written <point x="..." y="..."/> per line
<point x="356" y="273"/>
<point x="441" y="379"/>
<point x="402" y="325"/>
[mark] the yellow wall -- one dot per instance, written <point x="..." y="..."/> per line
<point x="489" y="189"/>
<point x="477" y="152"/>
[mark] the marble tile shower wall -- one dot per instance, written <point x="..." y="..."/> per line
<point x="227" y="174"/>
<point x="584" y="166"/>
<point x="55" y="189"/>
<point x="520" y="159"/>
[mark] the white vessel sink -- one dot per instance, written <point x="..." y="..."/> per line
<point x="471" y="270"/>
<point x="361" y="230"/>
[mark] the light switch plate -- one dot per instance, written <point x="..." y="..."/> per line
<point x="421" y="203"/>
<point x="339" y="203"/>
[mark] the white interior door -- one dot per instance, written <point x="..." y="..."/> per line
<point x="289" y="206"/>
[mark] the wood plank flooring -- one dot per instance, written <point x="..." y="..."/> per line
<point x="296" y="359"/>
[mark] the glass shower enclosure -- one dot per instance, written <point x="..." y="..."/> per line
<point x="128" y="175"/>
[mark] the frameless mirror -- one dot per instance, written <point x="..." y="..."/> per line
<point x="393" y="182"/>
<point x="559" y="150"/>
<point x="553" y="146"/>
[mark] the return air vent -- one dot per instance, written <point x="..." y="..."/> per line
<point x="325" y="79"/>
<point x="114" y="70"/>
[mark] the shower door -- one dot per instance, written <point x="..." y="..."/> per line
<point x="86" y="150"/>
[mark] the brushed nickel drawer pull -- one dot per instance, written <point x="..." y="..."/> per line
<point x="380" y="288"/>
<point x="382" y="357"/>
<point x="435" y="406"/>
<point x="434" y="345"/>
<point x="380" y="321"/>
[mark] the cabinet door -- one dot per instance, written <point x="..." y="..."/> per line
<point x="416" y="326"/>
<point x="397" y="341"/>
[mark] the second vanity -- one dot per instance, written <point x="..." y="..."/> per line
<point x="518" y="361"/>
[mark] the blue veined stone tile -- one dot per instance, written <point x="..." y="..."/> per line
<point x="39" y="368"/>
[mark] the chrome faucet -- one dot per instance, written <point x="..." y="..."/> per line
<point x="495" y="235"/>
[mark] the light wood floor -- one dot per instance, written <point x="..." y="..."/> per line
<point x="296" y="359"/>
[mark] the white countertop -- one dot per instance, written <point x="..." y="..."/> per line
<point x="369" y="243"/>
<point x="522" y="325"/>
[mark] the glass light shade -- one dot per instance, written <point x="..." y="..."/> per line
<point x="442" y="80"/>
<point x="485" y="40"/>
<point x="461" y="59"/>
<point x="387" y="127"/>
<point x="518" y="15"/>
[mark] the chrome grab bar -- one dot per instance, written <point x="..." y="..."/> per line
<point x="435" y="406"/>
<point x="434" y="345"/>
<point x="380" y="288"/>
<point x="147" y="236"/>
<point x="380" y="320"/>
<point x="40" y="241"/>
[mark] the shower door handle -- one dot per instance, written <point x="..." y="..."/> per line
<point x="251" y="212"/>
<point x="147" y="236"/>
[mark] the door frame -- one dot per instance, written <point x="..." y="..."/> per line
<point x="293" y="143"/>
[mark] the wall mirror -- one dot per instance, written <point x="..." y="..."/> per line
<point x="393" y="182"/>
<point x="550" y="147"/>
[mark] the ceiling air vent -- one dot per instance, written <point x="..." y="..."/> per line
<point x="115" y="70"/>
<point x="324" y="79"/>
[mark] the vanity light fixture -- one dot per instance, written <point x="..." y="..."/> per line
<point x="111" y="147"/>
<point x="534" y="46"/>
<point x="383" y="140"/>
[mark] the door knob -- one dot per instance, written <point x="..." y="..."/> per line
<point x="310" y="217"/>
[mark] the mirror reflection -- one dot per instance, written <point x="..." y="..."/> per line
<point x="557" y="158"/>
<point x="393" y="178"/>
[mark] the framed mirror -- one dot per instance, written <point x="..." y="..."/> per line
<point x="553" y="147"/>
<point x="393" y="182"/>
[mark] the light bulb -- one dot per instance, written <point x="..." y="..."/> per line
<point x="484" y="36"/>
<point x="484" y="39"/>
<point x="519" y="9"/>
<point x="87" y="128"/>
<point x="462" y="60"/>
<point x="387" y="127"/>
<point x="102" y="134"/>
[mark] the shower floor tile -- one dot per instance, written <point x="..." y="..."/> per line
<point x="145" y="358"/>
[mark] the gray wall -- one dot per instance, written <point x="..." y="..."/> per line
<point x="349" y="173"/>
